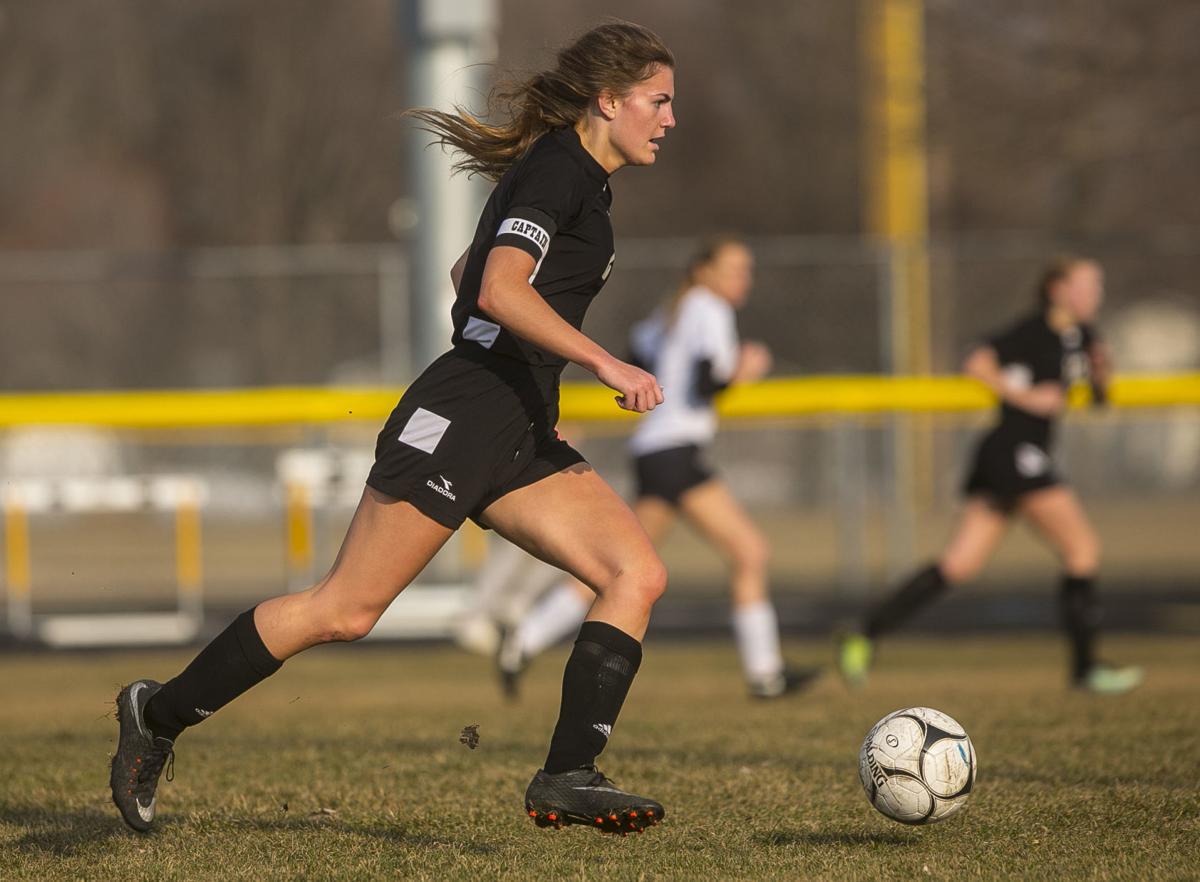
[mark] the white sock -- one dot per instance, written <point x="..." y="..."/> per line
<point x="757" y="632"/>
<point x="556" y="616"/>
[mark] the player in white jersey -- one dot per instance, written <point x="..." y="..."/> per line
<point x="692" y="344"/>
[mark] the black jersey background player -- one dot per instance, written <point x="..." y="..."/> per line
<point x="1030" y="366"/>
<point x="474" y="435"/>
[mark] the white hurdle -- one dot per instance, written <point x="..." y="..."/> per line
<point x="184" y="495"/>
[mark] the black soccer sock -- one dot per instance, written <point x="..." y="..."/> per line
<point x="598" y="675"/>
<point x="234" y="661"/>
<point x="1081" y="619"/>
<point x="918" y="591"/>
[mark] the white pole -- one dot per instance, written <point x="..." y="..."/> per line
<point x="450" y="46"/>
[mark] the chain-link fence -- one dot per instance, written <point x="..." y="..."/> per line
<point x="825" y="489"/>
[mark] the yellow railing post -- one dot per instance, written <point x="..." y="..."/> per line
<point x="299" y="536"/>
<point x="18" y="568"/>
<point x="189" y="567"/>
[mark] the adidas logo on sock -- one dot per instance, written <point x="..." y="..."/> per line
<point x="202" y="712"/>
<point x="603" y="728"/>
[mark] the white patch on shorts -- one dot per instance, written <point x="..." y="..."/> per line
<point x="1031" y="460"/>
<point x="483" y="333"/>
<point x="1018" y="377"/>
<point x="424" y="430"/>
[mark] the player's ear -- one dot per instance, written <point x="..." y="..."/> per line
<point x="607" y="103"/>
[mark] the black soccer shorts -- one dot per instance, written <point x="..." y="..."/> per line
<point x="1006" y="466"/>
<point x="472" y="428"/>
<point x="668" y="474"/>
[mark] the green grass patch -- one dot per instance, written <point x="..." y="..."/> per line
<point x="347" y="765"/>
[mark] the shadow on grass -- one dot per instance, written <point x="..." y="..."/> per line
<point x="783" y="838"/>
<point x="61" y="832"/>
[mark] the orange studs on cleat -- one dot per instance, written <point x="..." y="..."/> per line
<point x="612" y="817"/>
<point x="633" y="814"/>
<point x="552" y="816"/>
<point x="532" y="813"/>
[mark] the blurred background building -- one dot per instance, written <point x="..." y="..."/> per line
<point x="220" y="194"/>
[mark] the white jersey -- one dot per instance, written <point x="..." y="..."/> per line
<point x="700" y="344"/>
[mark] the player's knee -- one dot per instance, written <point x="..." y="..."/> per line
<point x="648" y="580"/>
<point x="654" y="580"/>
<point x="1083" y="557"/>
<point x="753" y="554"/>
<point x="957" y="570"/>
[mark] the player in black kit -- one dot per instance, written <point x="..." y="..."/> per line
<point x="1030" y="366"/>
<point x="474" y="436"/>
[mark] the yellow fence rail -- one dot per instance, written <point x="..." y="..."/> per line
<point x="805" y="396"/>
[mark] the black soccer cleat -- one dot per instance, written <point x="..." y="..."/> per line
<point x="787" y="682"/>
<point x="586" y="796"/>
<point x="140" y="757"/>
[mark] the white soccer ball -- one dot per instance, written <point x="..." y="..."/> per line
<point x="917" y="766"/>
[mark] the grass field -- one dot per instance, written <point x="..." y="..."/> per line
<point x="347" y="765"/>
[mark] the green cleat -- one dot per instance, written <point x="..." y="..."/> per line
<point x="853" y="657"/>
<point x="1107" y="680"/>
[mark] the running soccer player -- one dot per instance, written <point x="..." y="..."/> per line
<point x="1030" y="366"/>
<point x="692" y="346"/>
<point x="474" y="436"/>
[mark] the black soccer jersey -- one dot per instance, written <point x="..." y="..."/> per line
<point x="553" y="204"/>
<point x="1031" y="352"/>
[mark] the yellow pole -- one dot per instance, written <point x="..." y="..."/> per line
<point x="189" y="549"/>
<point x="897" y="211"/>
<point x="474" y="548"/>
<point x="299" y="536"/>
<point x="18" y="570"/>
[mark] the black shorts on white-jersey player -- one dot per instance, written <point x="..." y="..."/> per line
<point x="1014" y="458"/>
<point x="472" y="428"/>
<point x="668" y="474"/>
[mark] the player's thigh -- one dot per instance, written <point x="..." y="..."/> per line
<point x="721" y="519"/>
<point x="978" y="531"/>
<point x="1060" y="519"/>
<point x="387" y="545"/>
<point x="576" y="522"/>
<point x="656" y="516"/>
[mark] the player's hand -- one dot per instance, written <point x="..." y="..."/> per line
<point x="639" y="389"/>
<point x="1044" y="400"/>
<point x="754" y="361"/>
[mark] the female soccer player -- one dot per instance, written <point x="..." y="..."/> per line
<point x="1030" y="366"/>
<point x="692" y="346"/>
<point x="473" y="436"/>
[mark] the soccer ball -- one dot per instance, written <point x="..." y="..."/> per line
<point x="917" y="766"/>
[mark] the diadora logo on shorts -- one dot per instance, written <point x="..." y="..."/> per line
<point x="443" y="488"/>
<point x="604" y="729"/>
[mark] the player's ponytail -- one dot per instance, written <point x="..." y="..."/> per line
<point x="613" y="57"/>
<point x="703" y="256"/>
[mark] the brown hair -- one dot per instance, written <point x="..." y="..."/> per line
<point x="1054" y="272"/>
<point x="703" y="256"/>
<point x="612" y="57"/>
